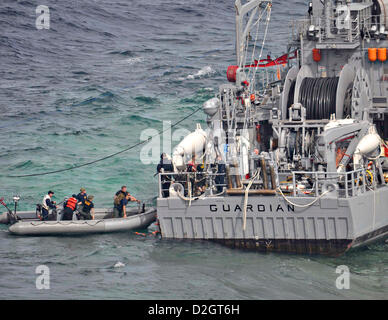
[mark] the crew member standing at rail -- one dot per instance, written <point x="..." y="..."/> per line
<point x="164" y="166"/>
<point x="70" y="207"/>
<point x="220" y="178"/>
<point x="47" y="204"/>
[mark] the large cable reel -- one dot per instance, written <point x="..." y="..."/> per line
<point x="289" y="90"/>
<point x="361" y="94"/>
<point x="318" y="96"/>
<point x="345" y="91"/>
<point x="321" y="97"/>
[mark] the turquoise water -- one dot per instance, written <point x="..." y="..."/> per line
<point x="86" y="88"/>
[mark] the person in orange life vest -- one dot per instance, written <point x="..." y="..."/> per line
<point x="70" y="207"/>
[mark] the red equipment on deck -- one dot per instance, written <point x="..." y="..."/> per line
<point x="263" y="63"/>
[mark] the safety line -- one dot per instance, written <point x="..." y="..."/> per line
<point x="107" y="157"/>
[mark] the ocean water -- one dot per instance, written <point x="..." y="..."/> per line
<point x="105" y="71"/>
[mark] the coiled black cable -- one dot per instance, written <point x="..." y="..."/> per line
<point x="319" y="97"/>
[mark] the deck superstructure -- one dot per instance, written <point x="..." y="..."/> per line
<point x="293" y="160"/>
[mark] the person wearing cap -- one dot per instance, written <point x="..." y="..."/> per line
<point x="47" y="204"/>
<point x="70" y="207"/>
<point x="86" y="210"/>
<point x="82" y="196"/>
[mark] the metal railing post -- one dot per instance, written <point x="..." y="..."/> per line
<point x="364" y="181"/>
<point x="294" y="183"/>
<point x="160" y="185"/>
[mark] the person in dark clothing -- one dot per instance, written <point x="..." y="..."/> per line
<point x="82" y="196"/>
<point x="122" y="192"/>
<point x="376" y="13"/>
<point x="310" y="10"/>
<point x="121" y="208"/>
<point x="119" y="196"/>
<point x="200" y="180"/>
<point x="220" y="178"/>
<point x="164" y="166"/>
<point x="47" y="204"/>
<point x="86" y="210"/>
<point x="70" y="207"/>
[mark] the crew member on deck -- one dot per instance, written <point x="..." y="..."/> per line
<point x="70" y="207"/>
<point x="164" y="166"/>
<point x="221" y="171"/>
<point x="310" y="11"/>
<point x="47" y="204"/>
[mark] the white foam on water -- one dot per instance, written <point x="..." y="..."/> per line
<point x="130" y="61"/>
<point x="119" y="265"/>
<point x="205" y="71"/>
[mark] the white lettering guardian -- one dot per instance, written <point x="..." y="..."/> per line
<point x="260" y="208"/>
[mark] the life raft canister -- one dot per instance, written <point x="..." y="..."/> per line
<point x="317" y="55"/>
<point x="71" y="203"/>
<point x="372" y="54"/>
<point x="382" y="54"/>
<point x="231" y="73"/>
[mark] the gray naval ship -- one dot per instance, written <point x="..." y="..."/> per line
<point x="294" y="156"/>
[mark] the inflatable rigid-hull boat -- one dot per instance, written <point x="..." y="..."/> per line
<point x="99" y="213"/>
<point x="105" y="224"/>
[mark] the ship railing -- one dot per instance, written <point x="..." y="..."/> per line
<point x="338" y="31"/>
<point x="299" y="27"/>
<point x="194" y="183"/>
<point x="328" y="30"/>
<point x="342" y="184"/>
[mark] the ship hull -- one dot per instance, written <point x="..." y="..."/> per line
<point x="330" y="226"/>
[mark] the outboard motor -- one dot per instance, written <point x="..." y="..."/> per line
<point x="75" y="216"/>
<point x="59" y="215"/>
<point x="12" y="217"/>
<point x="38" y="211"/>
